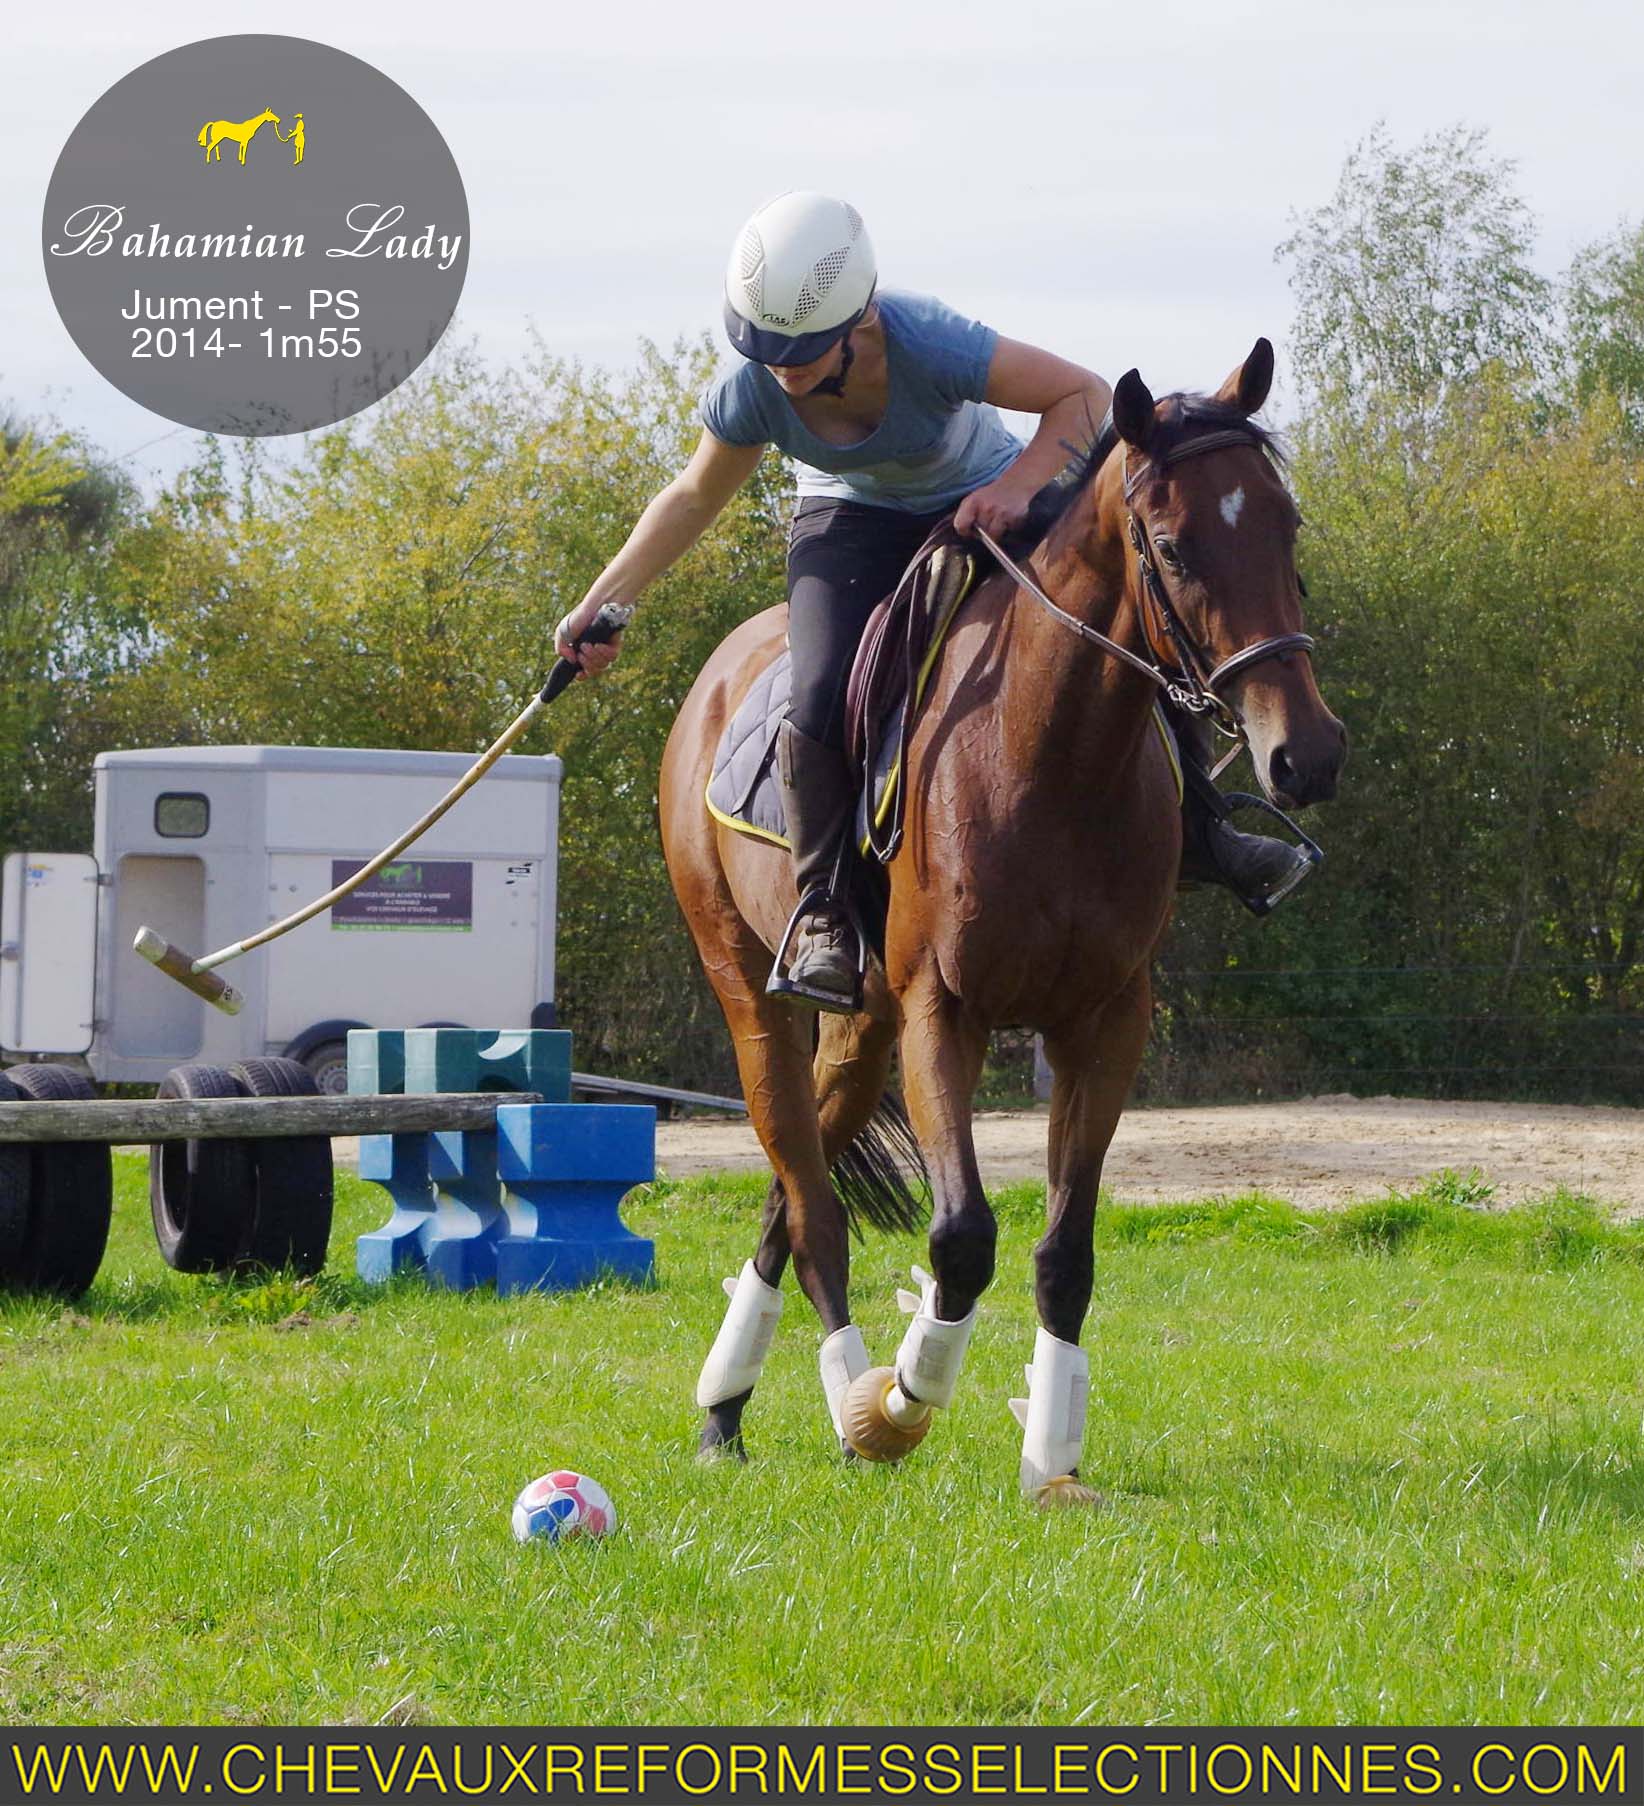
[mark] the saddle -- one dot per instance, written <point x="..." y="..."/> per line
<point x="886" y="685"/>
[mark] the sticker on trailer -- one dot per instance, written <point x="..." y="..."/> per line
<point x="409" y="894"/>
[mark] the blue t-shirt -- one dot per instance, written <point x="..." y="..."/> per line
<point x="938" y="439"/>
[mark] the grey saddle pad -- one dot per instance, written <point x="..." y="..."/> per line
<point x="743" y="791"/>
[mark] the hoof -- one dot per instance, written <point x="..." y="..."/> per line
<point x="1065" y="1492"/>
<point x="714" y="1447"/>
<point x="713" y="1454"/>
<point x="867" y="1429"/>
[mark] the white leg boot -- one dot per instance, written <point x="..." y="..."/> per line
<point x="744" y="1339"/>
<point x="886" y="1411"/>
<point x="844" y="1357"/>
<point x="1052" y="1417"/>
<point x="931" y="1355"/>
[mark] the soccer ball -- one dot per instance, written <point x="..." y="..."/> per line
<point x="563" y="1505"/>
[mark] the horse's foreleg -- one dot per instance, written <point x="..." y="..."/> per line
<point x="889" y="1409"/>
<point x="1093" y="1066"/>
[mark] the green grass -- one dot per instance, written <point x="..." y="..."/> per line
<point x="1381" y="1466"/>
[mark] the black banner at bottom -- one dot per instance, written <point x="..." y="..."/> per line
<point x="1150" y="1767"/>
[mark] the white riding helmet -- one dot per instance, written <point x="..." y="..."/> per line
<point x="800" y="277"/>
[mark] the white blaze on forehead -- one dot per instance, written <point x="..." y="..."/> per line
<point x="1231" y="504"/>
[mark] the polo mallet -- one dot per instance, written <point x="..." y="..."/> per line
<point x="199" y="975"/>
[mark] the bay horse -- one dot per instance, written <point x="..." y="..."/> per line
<point x="1032" y="888"/>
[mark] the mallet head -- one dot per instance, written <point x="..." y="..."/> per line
<point x="158" y="951"/>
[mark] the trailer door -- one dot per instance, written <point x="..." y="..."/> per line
<point x="48" y="952"/>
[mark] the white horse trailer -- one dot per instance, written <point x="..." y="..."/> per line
<point x="207" y="844"/>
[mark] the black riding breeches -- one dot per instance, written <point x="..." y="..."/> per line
<point x="844" y="558"/>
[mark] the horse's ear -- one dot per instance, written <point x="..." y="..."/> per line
<point x="1247" y="388"/>
<point x="1133" y="417"/>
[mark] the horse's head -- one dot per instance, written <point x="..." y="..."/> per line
<point x="1212" y="543"/>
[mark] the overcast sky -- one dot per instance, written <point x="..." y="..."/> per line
<point x="1108" y="181"/>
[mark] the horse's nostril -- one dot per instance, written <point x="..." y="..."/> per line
<point x="1280" y="770"/>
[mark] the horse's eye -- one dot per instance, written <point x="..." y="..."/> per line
<point x="1168" y="551"/>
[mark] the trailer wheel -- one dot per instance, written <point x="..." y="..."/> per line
<point x="71" y="1194"/>
<point x="200" y="1193"/>
<point x="14" y="1194"/>
<point x="327" y="1065"/>
<point x="292" y="1223"/>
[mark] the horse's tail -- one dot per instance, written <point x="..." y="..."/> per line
<point x="881" y="1177"/>
<point x="204" y="130"/>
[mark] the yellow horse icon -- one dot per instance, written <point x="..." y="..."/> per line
<point x="214" y="131"/>
<point x="293" y="137"/>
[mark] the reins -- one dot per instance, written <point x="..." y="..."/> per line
<point x="1194" y="685"/>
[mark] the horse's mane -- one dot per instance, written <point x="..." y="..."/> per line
<point x="1182" y="416"/>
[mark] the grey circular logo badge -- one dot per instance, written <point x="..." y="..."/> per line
<point x="256" y="235"/>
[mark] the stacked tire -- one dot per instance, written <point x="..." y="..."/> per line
<point x="237" y="1206"/>
<point x="56" y="1197"/>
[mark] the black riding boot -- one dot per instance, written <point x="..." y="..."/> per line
<point x="819" y="797"/>
<point x="1259" y="869"/>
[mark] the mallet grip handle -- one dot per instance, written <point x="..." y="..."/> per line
<point x="605" y="626"/>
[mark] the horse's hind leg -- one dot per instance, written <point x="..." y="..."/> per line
<point x="806" y="1114"/>
<point x="1093" y="1067"/>
<point x="744" y="1338"/>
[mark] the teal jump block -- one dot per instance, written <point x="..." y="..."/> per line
<point x="565" y="1169"/>
<point x="376" y="1062"/>
<point x="468" y="1059"/>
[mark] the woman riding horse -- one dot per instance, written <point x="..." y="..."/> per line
<point x="886" y="402"/>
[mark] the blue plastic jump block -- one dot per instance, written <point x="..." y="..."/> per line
<point x="400" y="1164"/>
<point x="448" y="1216"/>
<point x="565" y="1169"/>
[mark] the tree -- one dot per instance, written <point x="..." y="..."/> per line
<point x="1604" y="311"/>
<point x="62" y="636"/>
<point x="1416" y="273"/>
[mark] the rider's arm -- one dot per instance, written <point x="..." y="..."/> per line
<point x="1070" y="402"/>
<point x="674" y="519"/>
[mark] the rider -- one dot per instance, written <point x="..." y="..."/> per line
<point x="886" y="401"/>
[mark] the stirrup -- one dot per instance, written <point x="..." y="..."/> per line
<point x="780" y="985"/>
<point x="1312" y="853"/>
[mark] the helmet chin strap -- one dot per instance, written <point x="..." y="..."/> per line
<point x="835" y="385"/>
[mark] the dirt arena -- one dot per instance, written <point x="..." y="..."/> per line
<point x="1317" y="1152"/>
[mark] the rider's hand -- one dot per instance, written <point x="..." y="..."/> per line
<point x="999" y="506"/>
<point x="591" y="659"/>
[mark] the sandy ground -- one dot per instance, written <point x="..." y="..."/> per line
<point x="1316" y="1152"/>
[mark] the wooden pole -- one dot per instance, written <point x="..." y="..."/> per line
<point x="218" y="1118"/>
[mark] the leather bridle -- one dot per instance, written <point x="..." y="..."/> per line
<point x="1191" y="683"/>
